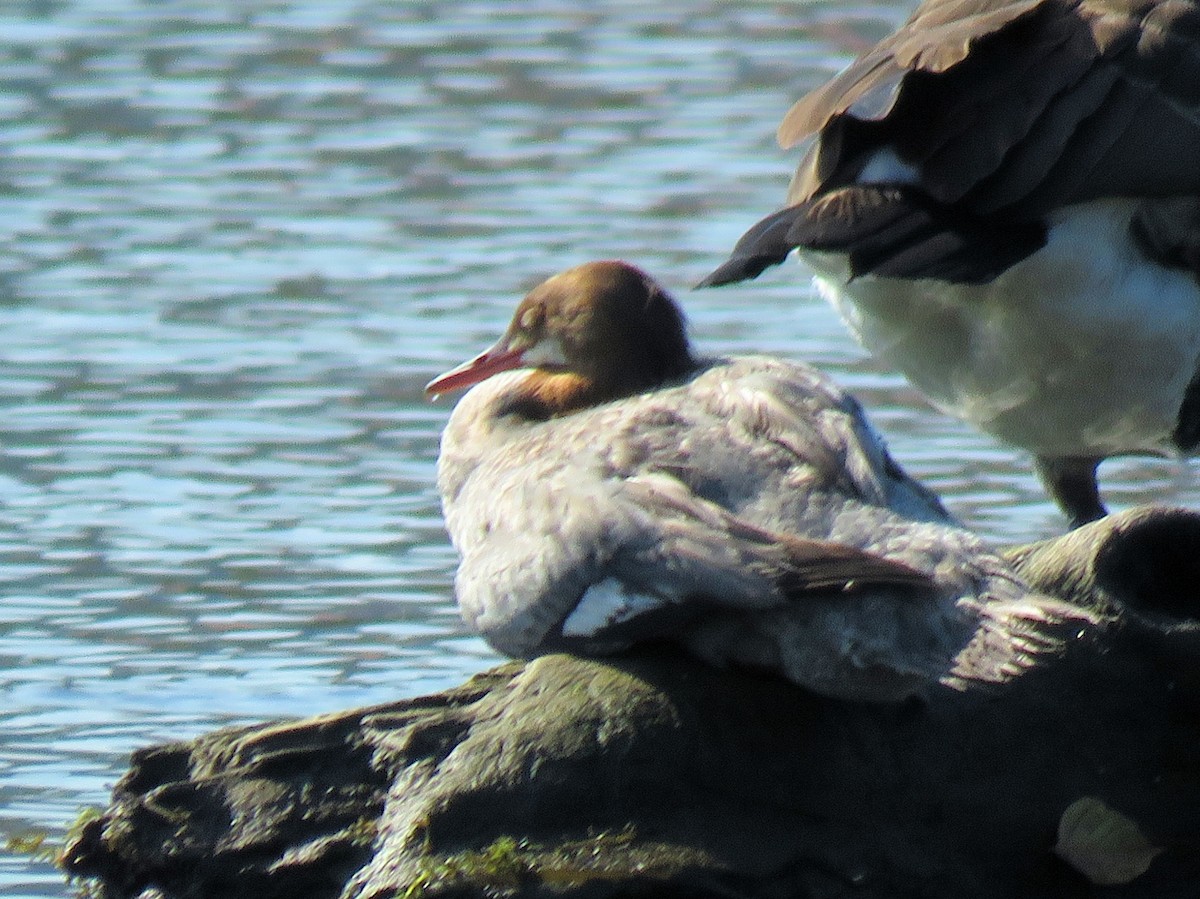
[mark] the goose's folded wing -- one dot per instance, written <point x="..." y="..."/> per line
<point x="890" y="230"/>
<point x="937" y="37"/>
<point x="1002" y="112"/>
<point x="1016" y="108"/>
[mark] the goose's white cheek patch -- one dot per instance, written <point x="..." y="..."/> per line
<point x="606" y="604"/>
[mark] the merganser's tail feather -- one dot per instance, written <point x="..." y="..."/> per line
<point x="1014" y="636"/>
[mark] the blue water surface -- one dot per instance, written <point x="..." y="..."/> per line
<point x="236" y="239"/>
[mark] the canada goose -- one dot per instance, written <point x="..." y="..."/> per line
<point x="1002" y="199"/>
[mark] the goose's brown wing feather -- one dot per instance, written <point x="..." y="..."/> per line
<point x="1013" y="109"/>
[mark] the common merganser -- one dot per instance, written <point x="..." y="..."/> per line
<point x="1002" y="200"/>
<point x="605" y="487"/>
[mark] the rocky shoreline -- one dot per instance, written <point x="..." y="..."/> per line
<point x="653" y="775"/>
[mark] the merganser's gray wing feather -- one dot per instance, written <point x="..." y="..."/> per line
<point x="617" y="550"/>
<point x="709" y="550"/>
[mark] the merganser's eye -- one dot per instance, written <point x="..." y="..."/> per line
<point x="528" y="320"/>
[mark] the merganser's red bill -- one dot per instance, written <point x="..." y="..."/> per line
<point x="493" y="360"/>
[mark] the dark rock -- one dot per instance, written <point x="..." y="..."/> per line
<point x="653" y="775"/>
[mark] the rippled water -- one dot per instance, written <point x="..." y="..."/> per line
<point x="235" y="241"/>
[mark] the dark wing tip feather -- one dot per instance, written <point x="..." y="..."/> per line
<point x="890" y="230"/>
<point x="822" y="565"/>
<point x="764" y="245"/>
<point x="898" y="231"/>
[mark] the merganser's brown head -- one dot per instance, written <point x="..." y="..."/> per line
<point x="594" y="333"/>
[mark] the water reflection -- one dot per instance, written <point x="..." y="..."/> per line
<point x="235" y="240"/>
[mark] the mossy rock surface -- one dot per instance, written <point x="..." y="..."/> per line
<point x="654" y="775"/>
